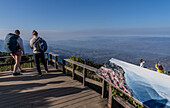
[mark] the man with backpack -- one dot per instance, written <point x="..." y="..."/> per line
<point x="39" y="46"/>
<point x="14" y="46"/>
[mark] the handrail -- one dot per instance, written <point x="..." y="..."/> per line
<point x="85" y="79"/>
<point x="4" y="57"/>
<point x="11" y="59"/>
<point x="82" y="65"/>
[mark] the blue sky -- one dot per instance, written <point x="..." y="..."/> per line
<point x="69" y="18"/>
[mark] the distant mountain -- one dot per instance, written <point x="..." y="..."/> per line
<point x="1" y="46"/>
<point x="130" y="49"/>
<point x="26" y="46"/>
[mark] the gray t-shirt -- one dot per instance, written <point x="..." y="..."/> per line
<point x="34" y="46"/>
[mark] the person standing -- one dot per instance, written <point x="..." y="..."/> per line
<point x="142" y="63"/>
<point x="37" y="52"/>
<point x="14" y="46"/>
<point x="159" y="68"/>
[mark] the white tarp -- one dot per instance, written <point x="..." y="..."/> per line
<point x="147" y="86"/>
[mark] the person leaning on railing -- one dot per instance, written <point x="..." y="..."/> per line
<point x="37" y="54"/>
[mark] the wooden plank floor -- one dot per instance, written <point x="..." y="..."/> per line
<point x="52" y="90"/>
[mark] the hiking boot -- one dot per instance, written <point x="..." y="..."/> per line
<point x="23" y="71"/>
<point x="39" y="75"/>
<point x="16" y="73"/>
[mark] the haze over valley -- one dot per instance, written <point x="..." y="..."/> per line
<point x="101" y="49"/>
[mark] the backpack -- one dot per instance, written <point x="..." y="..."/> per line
<point x="41" y="43"/>
<point x="11" y="44"/>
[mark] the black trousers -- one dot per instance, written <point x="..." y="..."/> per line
<point x="37" y="57"/>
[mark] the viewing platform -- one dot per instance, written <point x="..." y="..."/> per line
<point x="69" y="84"/>
<point x="51" y="90"/>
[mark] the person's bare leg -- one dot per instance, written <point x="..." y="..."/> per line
<point x="19" y="61"/>
<point x="13" y="57"/>
<point x="16" y="64"/>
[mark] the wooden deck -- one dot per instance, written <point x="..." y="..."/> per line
<point x="52" y="90"/>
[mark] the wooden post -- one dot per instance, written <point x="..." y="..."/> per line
<point x="47" y="60"/>
<point x="104" y="89"/>
<point x="110" y="97"/>
<point x="56" y="62"/>
<point x="73" y="71"/>
<point x="31" y="62"/>
<point x="64" y="66"/>
<point x="84" y="76"/>
<point x="11" y="64"/>
<point x="50" y="59"/>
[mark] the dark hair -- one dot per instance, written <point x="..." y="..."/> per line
<point x="141" y="60"/>
<point x="35" y="32"/>
<point x="160" y="67"/>
<point x="17" y="31"/>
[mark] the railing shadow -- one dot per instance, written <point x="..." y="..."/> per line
<point x="30" y="78"/>
<point x="6" y="89"/>
<point x="37" y="98"/>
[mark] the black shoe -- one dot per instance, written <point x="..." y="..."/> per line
<point x="23" y="71"/>
<point x="15" y="74"/>
<point x="39" y="74"/>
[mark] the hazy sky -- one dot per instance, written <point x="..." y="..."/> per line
<point x="64" y="19"/>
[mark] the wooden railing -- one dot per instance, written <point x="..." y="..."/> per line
<point x="102" y="84"/>
<point x="11" y="63"/>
